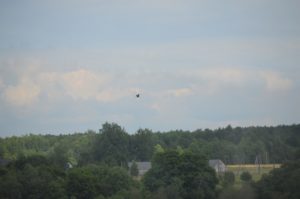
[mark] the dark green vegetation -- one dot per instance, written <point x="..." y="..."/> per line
<point x="113" y="145"/>
<point x="38" y="177"/>
<point x="94" y="165"/>
<point x="180" y="174"/>
<point x="246" y="176"/>
<point x="283" y="183"/>
<point x="228" y="178"/>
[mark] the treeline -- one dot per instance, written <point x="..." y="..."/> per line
<point x="37" y="176"/>
<point x="114" y="146"/>
<point x="95" y="165"/>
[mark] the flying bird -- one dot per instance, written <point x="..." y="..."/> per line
<point x="137" y="95"/>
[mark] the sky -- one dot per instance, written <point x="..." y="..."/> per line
<point x="71" y="65"/>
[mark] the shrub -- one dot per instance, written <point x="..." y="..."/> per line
<point x="246" y="176"/>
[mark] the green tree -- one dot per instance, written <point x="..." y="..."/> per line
<point x="281" y="183"/>
<point x="112" y="145"/>
<point x="10" y="187"/>
<point x="32" y="177"/>
<point x="2" y="148"/>
<point x="95" y="180"/>
<point x="158" y="149"/>
<point x="60" y="154"/>
<point x="188" y="172"/>
<point x="81" y="183"/>
<point x="141" y="145"/>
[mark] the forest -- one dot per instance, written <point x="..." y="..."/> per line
<point x="95" y="164"/>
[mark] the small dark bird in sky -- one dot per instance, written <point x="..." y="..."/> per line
<point x="137" y="95"/>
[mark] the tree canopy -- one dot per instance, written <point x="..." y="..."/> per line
<point x="94" y="164"/>
<point x="115" y="146"/>
<point x="186" y="172"/>
<point x="281" y="183"/>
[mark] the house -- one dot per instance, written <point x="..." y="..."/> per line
<point x="69" y="165"/>
<point x="143" y="167"/>
<point x="217" y="165"/>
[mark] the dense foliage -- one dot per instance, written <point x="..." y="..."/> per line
<point x="32" y="177"/>
<point x="181" y="174"/>
<point x="38" y="177"/>
<point x="282" y="183"/>
<point x="94" y="165"/>
<point x="114" y="146"/>
<point x="94" y="181"/>
<point x="246" y="176"/>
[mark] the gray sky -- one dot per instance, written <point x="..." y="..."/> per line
<point x="71" y="65"/>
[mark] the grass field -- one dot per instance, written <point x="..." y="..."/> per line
<point x="253" y="169"/>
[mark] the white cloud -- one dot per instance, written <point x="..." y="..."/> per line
<point x="84" y="84"/>
<point x="210" y="81"/>
<point x="109" y="95"/>
<point x="50" y="84"/>
<point x="25" y="93"/>
<point x="223" y="75"/>
<point x="80" y="84"/>
<point x="180" y="92"/>
<point x="275" y="82"/>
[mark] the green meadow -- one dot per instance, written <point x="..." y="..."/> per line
<point x="256" y="171"/>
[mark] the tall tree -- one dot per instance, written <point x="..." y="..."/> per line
<point x="281" y="183"/>
<point x="112" y="145"/>
<point x="187" y="171"/>
<point x="141" y="145"/>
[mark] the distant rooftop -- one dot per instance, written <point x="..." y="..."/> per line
<point x="143" y="167"/>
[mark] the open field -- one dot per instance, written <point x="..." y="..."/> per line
<point x="255" y="170"/>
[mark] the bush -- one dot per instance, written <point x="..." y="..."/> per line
<point x="246" y="176"/>
<point x="95" y="180"/>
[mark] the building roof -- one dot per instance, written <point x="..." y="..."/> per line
<point x="215" y="162"/>
<point x="141" y="165"/>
